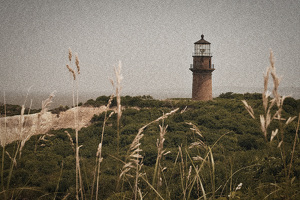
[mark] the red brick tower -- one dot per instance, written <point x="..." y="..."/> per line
<point x="202" y="70"/>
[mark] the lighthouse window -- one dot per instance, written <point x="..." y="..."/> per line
<point x="202" y="50"/>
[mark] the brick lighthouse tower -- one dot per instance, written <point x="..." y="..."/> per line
<point x="202" y="70"/>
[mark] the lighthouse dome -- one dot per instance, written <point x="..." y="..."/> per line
<point x="202" y="41"/>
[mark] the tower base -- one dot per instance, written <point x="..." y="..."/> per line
<point x="202" y="86"/>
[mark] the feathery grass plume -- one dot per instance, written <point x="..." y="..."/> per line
<point x="290" y="119"/>
<point x="70" y="54"/>
<point x="182" y="111"/>
<point x="29" y="107"/>
<point x="209" y="161"/>
<point x="232" y="194"/>
<point x="134" y="160"/>
<point x="263" y="126"/>
<point x="71" y="71"/>
<point x="234" y="173"/>
<point x="274" y="133"/>
<point x="195" y="128"/>
<point x="99" y="157"/>
<point x="276" y="80"/>
<point x="42" y="138"/>
<point x="197" y="177"/>
<point x="77" y="63"/>
<point x="21" y="123"/>
<point x="198" y="158"/>
<point x="199" y="143"/>
<point x="119" y="78"/>
<point x="239" y="186"/>
<point x="266" y="93"/>
<point x="71" y="140"/>
<point x="182" y="173"/>
<point x="269" y="116"/>
<point x="79" y="186"/>
<point x="24" y="138"/>
<point x="189" y="174"/>
<point x="46" y="103"/>
<point x="248" y="108"/>
<point x="185" y="179"/>
<point x="160" y="153"/>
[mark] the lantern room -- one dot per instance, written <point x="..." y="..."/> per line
<point x="202" y="47"/>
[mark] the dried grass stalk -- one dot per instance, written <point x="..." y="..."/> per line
<point x="248" y="108"/>
<point x="99" y="157"/>
<point x="195" y="128"/>
<point x="71" y="71"/>
<point x="70" y="54"/>
<point x="118" y="89"/>
<point x="274" y="133"/>
<point x="290" y="119"/>
<point x="71" y="140"/>
<point x="268" y="117"/>
<point x="25" y="137"/>
<point x="14" y="160"/>
<point x="160" y="153"/>
<point x="119" y="107"/>
<point x="135" y="160"/>
<point x="199" y="143"/>
<point x="77" y="64"/>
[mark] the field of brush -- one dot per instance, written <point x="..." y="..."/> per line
<point x="202" y="150"/>
<point x="236" y="146"/>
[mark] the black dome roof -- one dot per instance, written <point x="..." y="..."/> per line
<point x="202" y="41"/>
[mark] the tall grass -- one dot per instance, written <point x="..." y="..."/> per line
<point x="134" y="158"/>
<point x="23" y="137"/>
<point x="119" y="107"/>
<point x="79" y="184"/>
<point x="3" y="144"/>
<point x="99" y="157"/>
<point x="195" y="163"/>
<point x="273" y="107"/>
<point x="158" y="169"/>
<point x="131" y="172"/>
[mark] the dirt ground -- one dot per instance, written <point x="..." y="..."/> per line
<point x="21" y="127"/>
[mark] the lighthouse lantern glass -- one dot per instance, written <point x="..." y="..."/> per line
<point x="202" y="50"/>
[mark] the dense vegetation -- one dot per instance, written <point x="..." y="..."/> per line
<point x="232" y="151"/>
<point x="14" y="110"/>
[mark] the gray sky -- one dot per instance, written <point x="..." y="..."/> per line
<point x="153" y="39"/>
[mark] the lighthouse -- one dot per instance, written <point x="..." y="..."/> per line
<point x="202" y="69"/>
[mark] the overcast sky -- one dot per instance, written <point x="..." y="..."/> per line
<point x="154" y="40"/>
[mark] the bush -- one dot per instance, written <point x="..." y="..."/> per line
<point x="247" y="142"/>
<point x="291" y="106"/>
<point x="230" y="95"/>
<point x="253" y="96"/>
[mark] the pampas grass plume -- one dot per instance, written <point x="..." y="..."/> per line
<point x="77" y="64"/>
<point x="71" y="71"/>
<point x="70" y="54"/>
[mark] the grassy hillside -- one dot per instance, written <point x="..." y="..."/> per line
<point x="204" y="150"/>
<point x="237" y="146"/>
